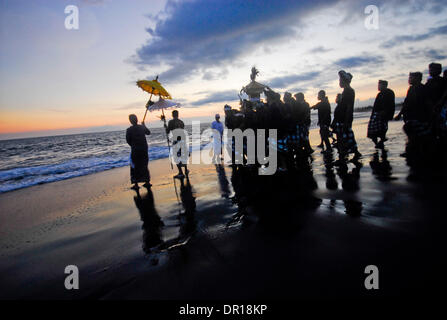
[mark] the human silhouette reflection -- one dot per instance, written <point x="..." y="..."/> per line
<point x="152" y="223"/>
<point x="275" y="199"/>
<point x="331" y="180"/>
<point x="187" y="221"/>
<point x="223" y="181"/>
<point x="380" y="166"/>
<point x="350" y="183"/>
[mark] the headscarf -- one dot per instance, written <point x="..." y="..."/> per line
<point x="345" y="76"/>
<point x="436" y="68"/>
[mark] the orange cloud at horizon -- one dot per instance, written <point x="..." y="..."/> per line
<point x="20" y="121"/>
<point x="27" y="121"/>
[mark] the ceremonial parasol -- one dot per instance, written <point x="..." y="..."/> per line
<point x="154" y="88"/>
<point x="162" y="104"/>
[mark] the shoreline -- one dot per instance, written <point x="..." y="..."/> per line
<point x="68" y="168"/>
<point x="147" y="247"/>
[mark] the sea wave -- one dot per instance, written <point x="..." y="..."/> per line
<point x="28" y="162"/>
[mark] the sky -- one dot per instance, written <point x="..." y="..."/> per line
<point x="55" y="80"/>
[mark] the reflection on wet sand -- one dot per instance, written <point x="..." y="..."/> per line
<point x="274" y="199"/>
<point x="187" y="221"/>
<point x="331" y="180"/>
<point x="350" y="183"/>
<point x="153" y="224"/>
<point x="381" y="167"/>
<point x="223" y="181"/>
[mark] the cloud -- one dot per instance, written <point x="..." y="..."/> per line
<point x="285" y="81"/>
<point x="191" y="37"/>
<point x="359" y="61"/>
<point x="398" y="40"/>
<point x="219" y="96"/>
<point x="435" y="54"/>
<point x="320" y="49"/>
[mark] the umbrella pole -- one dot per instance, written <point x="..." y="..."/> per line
<point x="167" y="138"/>
<point x="147" y="107"/>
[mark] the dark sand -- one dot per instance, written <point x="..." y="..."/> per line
<point x="304" y="245"/>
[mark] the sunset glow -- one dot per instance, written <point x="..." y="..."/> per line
<point x="54" y="78"/>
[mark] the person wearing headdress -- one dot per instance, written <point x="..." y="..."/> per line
<point x="347" y="143"/>
<point x="382" y="112"/>
<point x="417" y="116"/>
<point x="324" y="118"/>
<point x="435" y="84"/>
<point x="139" y="158"/>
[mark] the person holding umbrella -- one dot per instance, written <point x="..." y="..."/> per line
<point x="139" y="158"/>
<point x="173" y="124"/>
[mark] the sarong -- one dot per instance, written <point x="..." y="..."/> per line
<point x="416" y="128"/>
<point x="377" y="126"/>
<point x="345" y="138"/>
<point x="139" y="171"/>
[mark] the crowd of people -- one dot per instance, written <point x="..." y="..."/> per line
<point x="424" y="111"/>
<point x="425" y="115"/>
<point x="291" y="118"/>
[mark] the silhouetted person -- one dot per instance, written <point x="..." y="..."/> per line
<point x="136" y="138"/>
<point x="417" y="115"/>
<point x="152" y="222"/>
<point x="346" y="142"/>
<point x="304" y="121"/>
<point x="435" y="85"/>
<point x="382" y="112"/>
<point x="288" y="98"/>
<point x="337" y="121"/>
<point x="173" y="124"/>
<point x="324" y="118"/>
<point x="435" y="88"/>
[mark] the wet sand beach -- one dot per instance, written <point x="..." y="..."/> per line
<point x="310" y="235"/>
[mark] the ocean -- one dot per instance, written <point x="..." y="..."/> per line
<point x="31" y="161"/>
